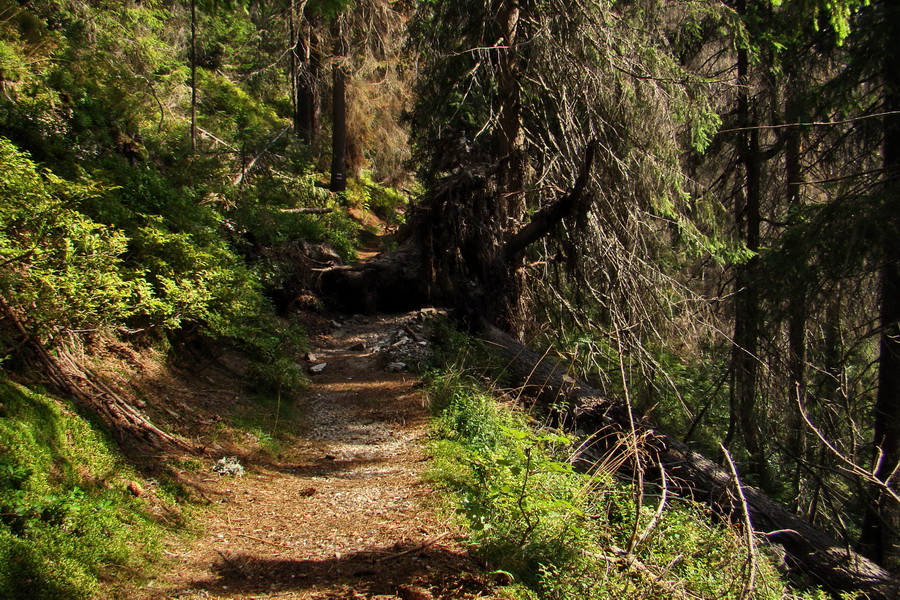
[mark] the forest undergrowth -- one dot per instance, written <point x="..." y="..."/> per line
<point x="555" y="531"/>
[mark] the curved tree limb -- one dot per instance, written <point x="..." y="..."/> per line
<point x="543" y="221"/>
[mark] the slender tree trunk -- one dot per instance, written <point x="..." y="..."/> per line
<point x="293" y="73"/>
<point x="746" y="308"/>
<point x="797" y="308"/>
<point x="306" y="113"/>
<point x="796" y="392"/>
<point x="512" y="197"/>
<point x="339" y="116"/>
<point x="880" y="536"/>
<point x="193" y="74"/>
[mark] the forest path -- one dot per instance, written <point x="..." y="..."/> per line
<point x="344" y="513"/>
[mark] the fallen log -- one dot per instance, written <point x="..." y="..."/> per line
<point x="307" y="210"/>
<point x="390" y="282"/>
<point x="581" y="407"/>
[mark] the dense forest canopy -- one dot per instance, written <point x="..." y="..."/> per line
<point x="694" y="203"/>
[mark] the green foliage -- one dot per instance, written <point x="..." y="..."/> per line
<point x="329" y="9"/>
<point x="559" y="532"/>
<point x="67" y="519"/>
<point x="232" y="111"/>
<point x="385" y="202"/>
<point x="342" y="233"/>
<point x="64" y="267"/>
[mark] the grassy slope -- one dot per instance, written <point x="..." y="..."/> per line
<point x="70" y="514"/>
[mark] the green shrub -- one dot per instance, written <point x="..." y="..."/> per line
<point x="64" y="267"/>
<point x="385" y="202"/>
<point x="561" y="533"/>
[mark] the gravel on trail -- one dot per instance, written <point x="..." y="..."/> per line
<point x="345" y="513"/>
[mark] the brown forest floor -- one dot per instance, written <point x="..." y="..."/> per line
<point x="344" y="513"/>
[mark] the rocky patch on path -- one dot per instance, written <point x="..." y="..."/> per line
<point x="402" y="342"/>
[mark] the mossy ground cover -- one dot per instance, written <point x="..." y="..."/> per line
<point x="68" y="520"/>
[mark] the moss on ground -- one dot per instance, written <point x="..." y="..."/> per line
<point x="70" y="513"/>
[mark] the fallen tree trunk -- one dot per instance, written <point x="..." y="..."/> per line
<point x="389" y="283"/>
<point x="456" y="252"/>
<point x="808" y="549"/>
<point x="307" y="211"/>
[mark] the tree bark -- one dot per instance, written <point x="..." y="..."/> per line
<point x="512" y="194"/>
<point x="293" y="64"/>
<point x="339" y="115"/>
<point x="797" y="304"/>
<point x="193" y="75"/>
<point x="689" y="474"/>
<point x="746" y="297"/>
<point x="880" y="537"/>
<point x="306" y="106"/>
<point x="395" y="282"/>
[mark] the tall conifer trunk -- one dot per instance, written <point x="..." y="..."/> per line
<point x="746" y="302"/>
<point x="193" y="74"/>
<point x="797" y="305"/>
<point x="880" y="537"/>
<point x="309" y="67"/>
<point x="512" y="207"/>
<point x="293" y="72"/>
<point x="512" y="199"/>
<point x="339" y="115"/>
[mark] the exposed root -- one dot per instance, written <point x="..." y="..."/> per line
<point x="91" y="392"/>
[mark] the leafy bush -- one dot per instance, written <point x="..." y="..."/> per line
<point x="62" y="267"/>
<point x="384" y="201"/>
<point x="561" y="533"/>
<point x="231" y="109"/>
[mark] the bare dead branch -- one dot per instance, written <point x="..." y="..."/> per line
<point x="547" y="218"/>
<point x="750" y="584"/>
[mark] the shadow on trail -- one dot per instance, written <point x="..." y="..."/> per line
<point x="371" y="572"/>
<point x="326" y="467"/>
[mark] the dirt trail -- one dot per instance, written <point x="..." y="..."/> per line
<point x="345" y="514"/>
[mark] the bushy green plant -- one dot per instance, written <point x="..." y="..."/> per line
<point x="385" y="202"/>
<point x="342" y="233"/>
<point x="62" y="267"/>
<point x="235" y="113"/>
<point x="566" y="534"/>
